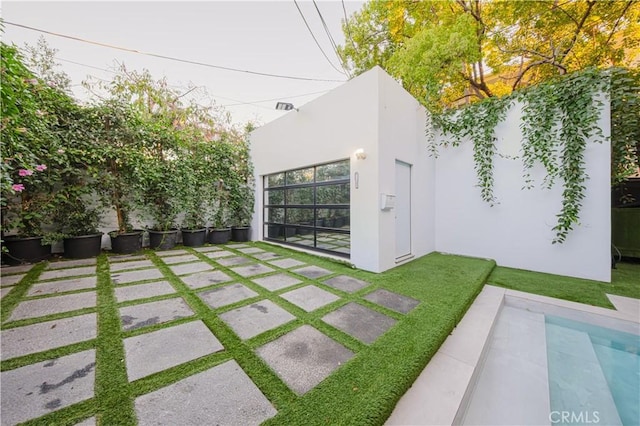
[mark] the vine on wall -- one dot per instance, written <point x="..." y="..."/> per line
<point x="558" y="118"/>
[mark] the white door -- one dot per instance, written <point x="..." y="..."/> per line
<point x="403" y="210"/>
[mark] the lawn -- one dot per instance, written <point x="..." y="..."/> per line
<point x="625" y="281"/>
<point x="362" y="391"/>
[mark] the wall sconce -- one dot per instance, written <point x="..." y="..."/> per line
<point x="360" y="154"/>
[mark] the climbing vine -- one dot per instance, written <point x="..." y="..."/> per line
<point x="558" y="118"/>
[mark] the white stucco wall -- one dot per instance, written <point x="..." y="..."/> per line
<point x="517" y="232"/>
<point x="371" y="112"/>
<point x="401" y="136"/>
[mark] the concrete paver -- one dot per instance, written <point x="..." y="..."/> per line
<point x="226" y="295"/>
<point x="4" y="291"/>
<point x="222" y="395"/>
<point x="146" y="314"/>
<point x="394" y="301"/>
<point x="190" y="268"/>
<point x="156" y="351"/>
<point x="362" y="323"/>
<point x="136" y="264"/>
<point x="180" y="259"/>
<point x="251" y="270"/>
<point x="207" y="249"/>
<point x="218" y="254"/>
<point x="71" y="263"/>
<point x="312" y="271"/>
<point x="141" y="291"/>
<point x="205" y="279"/>
<point x="310" y="297"/>
<point x="266" y="255"/>
<point x="52" y="287"/>
<point x="18" y="269"/>
<point x="167" y="253"/>
<point x="256" y="318"/>
<point x="232" y="261"/>
<point x="304" y="357"/>
<point x="38" y="389"/>
<point x="10" y="280"/>
<point x="65" y="273"/>
<point x="346" y="284"/>
<point x="126" y="257"/>
<point x="276" y="282"/>
<point x="139" y="275"/>
<point x="286" y="263"/>
<point x="251" y="250"/>
<point x="53" y="305"/>
<point x="47" y="335"/>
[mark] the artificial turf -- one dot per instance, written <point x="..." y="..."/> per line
<point x="625" y="281"/>
<point x="363" y="391"/>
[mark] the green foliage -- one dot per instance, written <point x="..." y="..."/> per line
<point x="625" y="124"/>
<point x="35" y="129"/>
<point x="558" y="117"/>
<point x="477" y="122"/>
<point x="445" y="51"/>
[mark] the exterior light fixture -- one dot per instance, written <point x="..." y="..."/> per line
<point x="285" y="106"/>
<point x="360" y="154"/>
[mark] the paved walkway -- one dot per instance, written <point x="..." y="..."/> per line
<point x="177" y="308"/>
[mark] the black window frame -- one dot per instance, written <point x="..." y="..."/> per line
<point x="313" y="227"/>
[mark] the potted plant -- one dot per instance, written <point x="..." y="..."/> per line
<point x="117" y="184"/>
<point x="242" y="201"/>
<point x="193" y="196"/>
<point x="29" y="111"/>
<point x="220" y="232"/>
<point x="81" y="237"/>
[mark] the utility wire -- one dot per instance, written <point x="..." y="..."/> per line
<point x="276" y="99"/>
<point x="187" y="61"/>
<point x="331" y="40"/>
<point x="238" y="102"/>
<point x="346" y="24"/>
<point x="315" y="39"/>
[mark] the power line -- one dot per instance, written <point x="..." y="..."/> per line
<point x="238" y="102"/>
<point x="346" y="24"/>
<point x="314" y="38"/>
<point x="331" y="40"/>
<point x="187" y="61"/>
<point x="276" y="99"/>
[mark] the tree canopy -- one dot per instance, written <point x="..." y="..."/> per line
<point x="447" y="51"/>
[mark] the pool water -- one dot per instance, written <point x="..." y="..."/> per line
<point x="594" y="373"/>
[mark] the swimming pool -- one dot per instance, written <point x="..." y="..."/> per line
<point x="549" y="365"/>
<point x="593" y="372"/>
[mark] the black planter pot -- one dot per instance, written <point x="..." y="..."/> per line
<point x="83" y="246"/>
<point x="129" y="242"/>
<point x="25" y="250"/>
<point x="219" y="236"/>
<point x="194" y="237"/>
<point x="163" y="240"/>
<point x="275" y="231"/>
<point x="240" y="234"/>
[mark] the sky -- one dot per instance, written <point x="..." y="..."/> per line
<point x="261" y="36"/>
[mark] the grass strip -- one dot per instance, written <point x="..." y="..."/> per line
<point x="366" y="389"/>
<point x="112" y="390"/>
<point x="625" y="281"/>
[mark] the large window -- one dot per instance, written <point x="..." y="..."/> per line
<point x="309" y="207"/>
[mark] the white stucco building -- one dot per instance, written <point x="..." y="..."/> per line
<point x="399" y="202"/>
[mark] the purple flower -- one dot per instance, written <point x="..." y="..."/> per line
<point x="32" y="81"/>
<point x="25" y="172"/>
<point x="18" y="187"/>
<point x="41" y="167"/>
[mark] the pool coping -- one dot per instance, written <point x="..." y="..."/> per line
<point x="440" y="395"/>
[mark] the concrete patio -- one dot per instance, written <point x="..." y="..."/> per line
<point x="176" y="309"/>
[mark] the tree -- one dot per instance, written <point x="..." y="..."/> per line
<point x="445" y="51"/>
